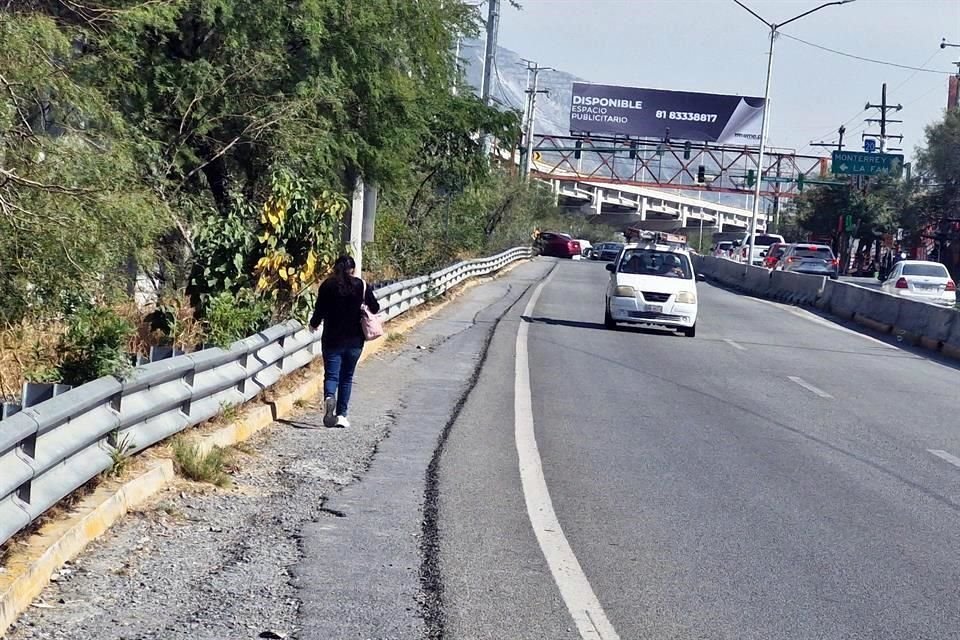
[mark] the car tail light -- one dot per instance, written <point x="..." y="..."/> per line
<point x="901" y="284"/>
<point x="951" y="285"/>
<point x="792" y="259"/>
<point x="835" y="262"/>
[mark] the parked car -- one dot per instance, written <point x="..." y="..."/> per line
<point x="558" y="245"/>
<point x="814" y="259"/>
<point x="761" y="243"/>
<point x="607" y="251"/>
<point x="723" y="249"/>
<point x="774" y="254"/>
<point x="921" y="280"/>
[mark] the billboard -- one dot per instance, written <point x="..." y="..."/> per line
<point x="648" y="113"/>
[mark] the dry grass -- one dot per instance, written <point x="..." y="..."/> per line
<point x="26" y="350"/>
<point x="193" y="465"/>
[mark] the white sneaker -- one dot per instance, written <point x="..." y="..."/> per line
<point x="330" y="412"/>
<point x="342" y="422"/>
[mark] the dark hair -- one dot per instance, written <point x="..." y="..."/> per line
<point x="341" y="274"/>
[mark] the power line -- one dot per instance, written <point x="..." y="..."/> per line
<point x="916" y="71"/>
<point x="863" y="59"/>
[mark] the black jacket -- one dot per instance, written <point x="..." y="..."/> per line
<point x="340" y="313"/>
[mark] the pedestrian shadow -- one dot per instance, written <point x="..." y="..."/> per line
<point x="599" y="326"/>
<point x="303" y="424"/>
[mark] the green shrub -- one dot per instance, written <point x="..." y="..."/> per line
<point x="231" y="317"/>
<point x="94" y="345"/>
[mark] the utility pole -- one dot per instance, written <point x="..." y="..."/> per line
<point x="883" y="121"/>
<point x="490" y="50"/>
<point x="839" y="144"/>
<point x="533" y="73"/>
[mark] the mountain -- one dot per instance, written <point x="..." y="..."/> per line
<point x="509" y="84"/>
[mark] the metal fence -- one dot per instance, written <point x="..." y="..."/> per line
<point x="62" y="437"/>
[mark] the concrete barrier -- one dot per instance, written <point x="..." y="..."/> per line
<point x="941" y="327"/>
<point x="730" y="273"/>
<point x="880" y="309"/>
<point x="796" y="288"/>
<point x="757" y="281"/>
<point x="844" y="299"/>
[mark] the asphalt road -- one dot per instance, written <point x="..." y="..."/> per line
<point x="770" y="478"/>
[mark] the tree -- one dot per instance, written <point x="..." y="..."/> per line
<point x="72" y="206"/>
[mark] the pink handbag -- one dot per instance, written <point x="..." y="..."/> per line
<point x="371" y="323"/>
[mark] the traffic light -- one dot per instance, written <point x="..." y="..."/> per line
<point x="579" y="146"/>
<point x="701" y="174"/>
<point x="751" y="177"/>
<point x="687" y="146"/>
<point x="633" y="150"/>
<point x="800" y="180"/>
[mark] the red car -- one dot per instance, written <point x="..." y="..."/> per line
<point x="774" y="254"/>
<point x="558" y="245"/>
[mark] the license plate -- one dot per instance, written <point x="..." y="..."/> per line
<point x="652" y="308"/>
<point x="927" y="287"/>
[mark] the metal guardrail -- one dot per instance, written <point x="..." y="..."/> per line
<point x="64" y="437"/>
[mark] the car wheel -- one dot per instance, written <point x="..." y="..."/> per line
<point x="834" y="277"/>
<point x="690" y="332"/>
<point x="608" y="319"/>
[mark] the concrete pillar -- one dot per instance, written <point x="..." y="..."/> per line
<point x="643" y="208"/>
<point x="353" y="226"/>
<point x="555" y="187"/>
<point x="684" y="214"/>
<point x="597" y="200"/>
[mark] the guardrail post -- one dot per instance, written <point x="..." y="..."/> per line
<point x="186" y="404"/>
<point x="242" y="385"/>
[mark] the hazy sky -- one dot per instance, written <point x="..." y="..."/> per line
<point x="715" y="46"/>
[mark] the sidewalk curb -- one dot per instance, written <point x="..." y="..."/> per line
<point x="32" y="562"/>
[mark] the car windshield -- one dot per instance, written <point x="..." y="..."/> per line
<point x="766" y="241"/>
<point x="929" y="270"/>
<point x="824" y="253"/>
<point x="650" y="262"/>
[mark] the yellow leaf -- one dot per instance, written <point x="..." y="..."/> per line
<point x="263" y="283"/>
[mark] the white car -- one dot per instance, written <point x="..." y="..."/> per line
<point x="585" y="249"/>
<point x="652" y="284"/>
<point x="921" y="280"/>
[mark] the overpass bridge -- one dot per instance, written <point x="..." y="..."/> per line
<point x="657" y="209"/>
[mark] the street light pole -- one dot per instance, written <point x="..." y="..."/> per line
<point x="766" y="112"/>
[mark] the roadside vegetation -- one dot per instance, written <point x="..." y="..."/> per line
<point x="204" y="151"/>
<point x="924" y="207"/>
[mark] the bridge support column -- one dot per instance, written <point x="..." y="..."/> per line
<point x="555" y="187"/>
<point x="643" y="208"/>
<point x="597" y="200"/>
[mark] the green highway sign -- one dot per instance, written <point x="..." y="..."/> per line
<point x="866" y="164"/>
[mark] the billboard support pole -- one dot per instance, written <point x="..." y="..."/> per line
<point x="763" y="143"/>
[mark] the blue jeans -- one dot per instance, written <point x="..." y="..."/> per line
<point x="339" y="364"/>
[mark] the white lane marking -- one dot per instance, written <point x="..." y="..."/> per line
<point x="809" y="387"/>
<point x="943" y="455"/>
<point x="734" y="344"/>
<point x="578" y="595"/>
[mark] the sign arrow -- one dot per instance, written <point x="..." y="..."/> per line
<point x="843" y="167"/>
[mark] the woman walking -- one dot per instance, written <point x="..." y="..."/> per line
<point x="339" y="303"/>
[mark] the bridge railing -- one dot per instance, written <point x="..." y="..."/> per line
<point x="62" y="438"/>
